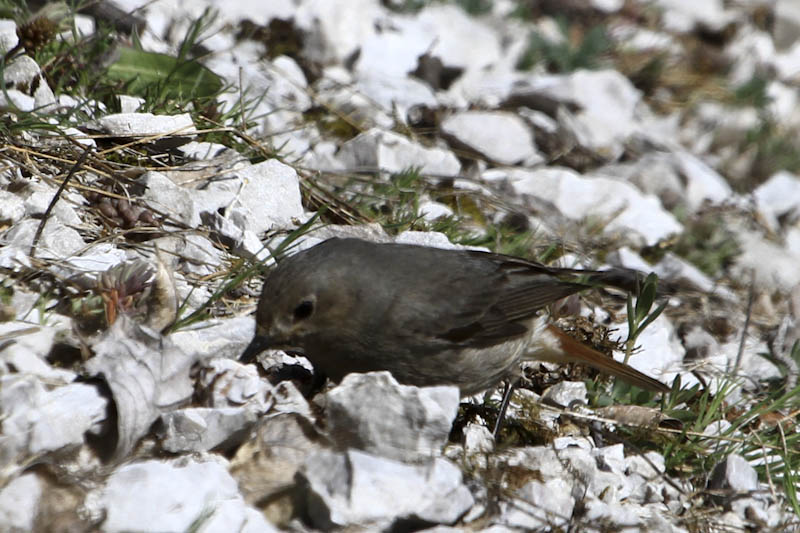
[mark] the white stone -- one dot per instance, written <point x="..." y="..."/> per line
<point x="164" y="196"/>
<point x="499" y="136"/>
<point x="661" y="354"/>
<point x="17" y="99"/>
<point x="627" y="258"/>
<point x="779" y="195"/>
<point x="37" y="421"/>
<point x="173" y="496"/>
<point x="606" y="104"/>
<point x="146" y="373"/>
<point x="780" y="272"/>
<point x="443" y="31"/>
<point x="26" y="354"/>
<point x="433" y="239"/>
<point x="146" y="124"/>
<point x="21" y="72"/>
<point x="199" y="429"/>
<point x="432" y="211"/>
<point x="130" y="104"/>
<point x="654" y="173"/>
<point x="650" y="465"/>
<point x="8" y="35"/>
<point x="43" y="96"/>
<point x="390" y="152"/>
<point x="683" y="16"/>
<point x="787" y="23"/>
<point x="784" y="101"/>
<point x="348" y="101"/>
<point x="633" y="37"/>
<point x="270" y="194"/>
<point x="540" y="505"/>
<point x="14" y="258"/>
<point x="730" y="125"/>
<point x="702" y="182"/>
<point x="749" y="51"/>
<point x="626" y="209"/>
<point x="618" y="516"/>
<point x="84" y="25"/>
<point x="793" y="241"/>
<point x="217" y="337"/>
<point x="787" y="63"/>
<point x="38" y="201"/>
<point x="486" y="88"/>
<point x="566" y="392"/>
<point x="336" y="30"/>
<point x="56" y="241"/>
<point x="202" y="151"/>
<point x="396" y="94"/>
<point x="12" y="208"/>
<point x="79" y="137"/>
<point x="735" y="474"/>
<point x="362" y="489"/>
<point x="459" y="39"/>
<point x="229" y="383"/>
<point x="753" y="368"/>
<point x="478" y="439"/>
<point x="407" y="424"/>
<point x="19" y="501"/>
<point x="717" y="429"/>
<point x="674" y="268"/>
<point x="608" y="6"/>
<point x="394" y="52"/>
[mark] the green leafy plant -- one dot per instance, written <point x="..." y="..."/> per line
<point x="707" y="242"/>
<point x="408" y="6"/>
<point x="575" y="51"/>
<point x="777" y="148"/>
<point x="394" y="202"/>
<point x="639" y="314"/>
<point x="752" y="93"/>
<point x="475" y="7"/>
<point x="160" y="77"/>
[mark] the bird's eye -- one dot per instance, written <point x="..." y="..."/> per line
<point x="303" y="310"/>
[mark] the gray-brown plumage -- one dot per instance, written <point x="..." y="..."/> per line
<point x="427" y="315"/>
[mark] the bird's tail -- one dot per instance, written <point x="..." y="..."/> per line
<point x="552" y="344"/>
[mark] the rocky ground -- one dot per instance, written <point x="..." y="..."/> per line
<point x="141" y="197"/>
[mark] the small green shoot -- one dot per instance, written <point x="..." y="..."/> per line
<point x="575" y="51"/>
<point x="752" y="93"/>
<point x="640" y="315"/>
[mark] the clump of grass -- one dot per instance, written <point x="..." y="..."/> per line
<point x="240" y="272"/>
<point x="707" y="242"/>
<point x="579" y="49"/>
<point x="776" y="149"/>
<point x="752" y="93"/>
<point x="473" y="7"/>
<point x="394" y="202"/>
<point x="96" y="68"/>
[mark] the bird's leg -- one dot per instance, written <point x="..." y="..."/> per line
<point x="507" y="391"/>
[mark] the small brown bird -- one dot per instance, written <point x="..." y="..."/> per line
<point x="427" y="315"/>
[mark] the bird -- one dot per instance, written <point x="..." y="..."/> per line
<point x="430" y="316"/>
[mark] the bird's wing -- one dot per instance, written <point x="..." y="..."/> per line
<point x="491" y="299"/>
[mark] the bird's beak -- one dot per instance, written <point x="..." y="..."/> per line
<point x="256" y="346"/>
